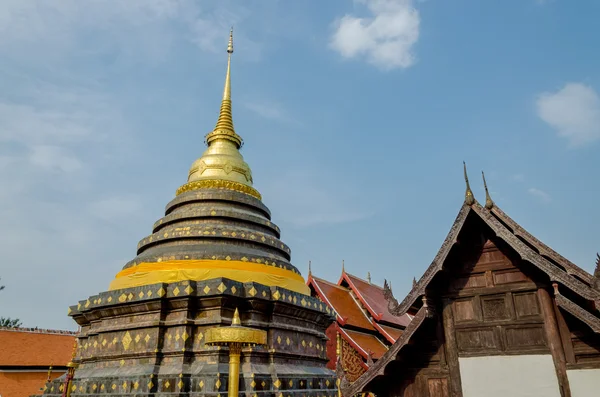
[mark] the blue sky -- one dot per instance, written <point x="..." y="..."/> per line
<point x="356" y="115"/>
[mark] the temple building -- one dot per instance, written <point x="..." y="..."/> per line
<point x="211" y="294"/>
<point x="497" y="313"/>
<point x="364" y="329"/>
<point x="30" y="357"/>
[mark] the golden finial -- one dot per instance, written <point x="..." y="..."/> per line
<point x="469" y="198"/>
<point x="369" y="277"/>
<point x="489" y="204"/>
<point x="236" y="318"/>
<point x="72" y="364"/>
<point x="343" y="267"/>
<point x="230" y="45"/>
<point x="48" y="380"/>
<point x="224" y="128"/>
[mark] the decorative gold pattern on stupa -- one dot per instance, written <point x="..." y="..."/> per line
<point x="222" y="165"/>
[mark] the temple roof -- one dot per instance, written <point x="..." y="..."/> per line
<point x="372" y="298"/>
<point x="364" y="343"/>
<point x="26" y="347"/>
<point x="565" y="276"/>
<point x="390" y="333"/>
<point x="341" y="301"/>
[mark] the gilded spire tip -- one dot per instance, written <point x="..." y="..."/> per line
<point x="224" y="128"/>
<point x="236" y="318"/>
<point x="469" y="198"/>
<point x="489" y="203"/>
<point x="230" y="45"/>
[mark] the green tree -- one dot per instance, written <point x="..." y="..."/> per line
<point x="9" y="322"/>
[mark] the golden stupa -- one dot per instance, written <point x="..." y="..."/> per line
<point x="217" y="226"/>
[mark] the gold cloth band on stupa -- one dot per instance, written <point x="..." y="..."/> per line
<point x="200" y="270"/>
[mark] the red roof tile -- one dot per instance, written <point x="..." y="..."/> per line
<point x="371" y="296"/>
<point x="340" y="300"/>
<point x="364" y="343"/>
<point x="19" y="347"/>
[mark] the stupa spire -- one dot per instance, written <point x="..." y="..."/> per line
<point x="224" y="128"/>
<point x="222" y="166"/>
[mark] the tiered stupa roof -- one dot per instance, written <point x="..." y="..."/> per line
<point x="217" y="225"/>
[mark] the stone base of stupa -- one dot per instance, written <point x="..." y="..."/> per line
<point x="149" y="341"/>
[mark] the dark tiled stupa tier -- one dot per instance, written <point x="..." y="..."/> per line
<point x="215" y="251"/>
<point x="213" y="232"/>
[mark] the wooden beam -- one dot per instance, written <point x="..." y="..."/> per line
<point x="451" y="349"/>
<point x="565" y="335"/>
<point x="554" y="341"/>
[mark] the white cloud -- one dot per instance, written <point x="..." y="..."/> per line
<point x="305" y="198"/>
<point x="385" y="39"/>
<point x="268" y="110"/>
<point x="573" y="111"/>
<point x="54" y="158"/>
<point x="138" y="30"/>
<point x="540" y="194"/>
<point x="518" y="177"/>
<point x="115" y="208"/>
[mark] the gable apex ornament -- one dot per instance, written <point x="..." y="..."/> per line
<point x="489" y="203"/>
<point x="469" y="198"/>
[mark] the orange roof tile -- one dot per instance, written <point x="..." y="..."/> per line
<point x="25" y="347"/>
<point x="364" y="343"/>
<point x="372" y="298"/>
<point x="340" y="300"/>
<point x="391" y="334"/>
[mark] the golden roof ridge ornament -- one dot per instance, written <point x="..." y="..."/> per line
<point x="489" y="203"/>
<point x="469" y="198"/>
<point x="224" y="128"/>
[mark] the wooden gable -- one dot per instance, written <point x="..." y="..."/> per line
<point x="488" y="293"/>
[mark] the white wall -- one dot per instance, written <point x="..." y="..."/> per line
<point x="514" y="376"/>
<point x="584" y="382"/>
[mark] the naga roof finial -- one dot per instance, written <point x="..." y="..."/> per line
<point x="369" y="277"/>
<point x="469" y="198"/>
<point x="489" y="203"/>
<point x="309" y="268"/>
<point x="343" y="267"/>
